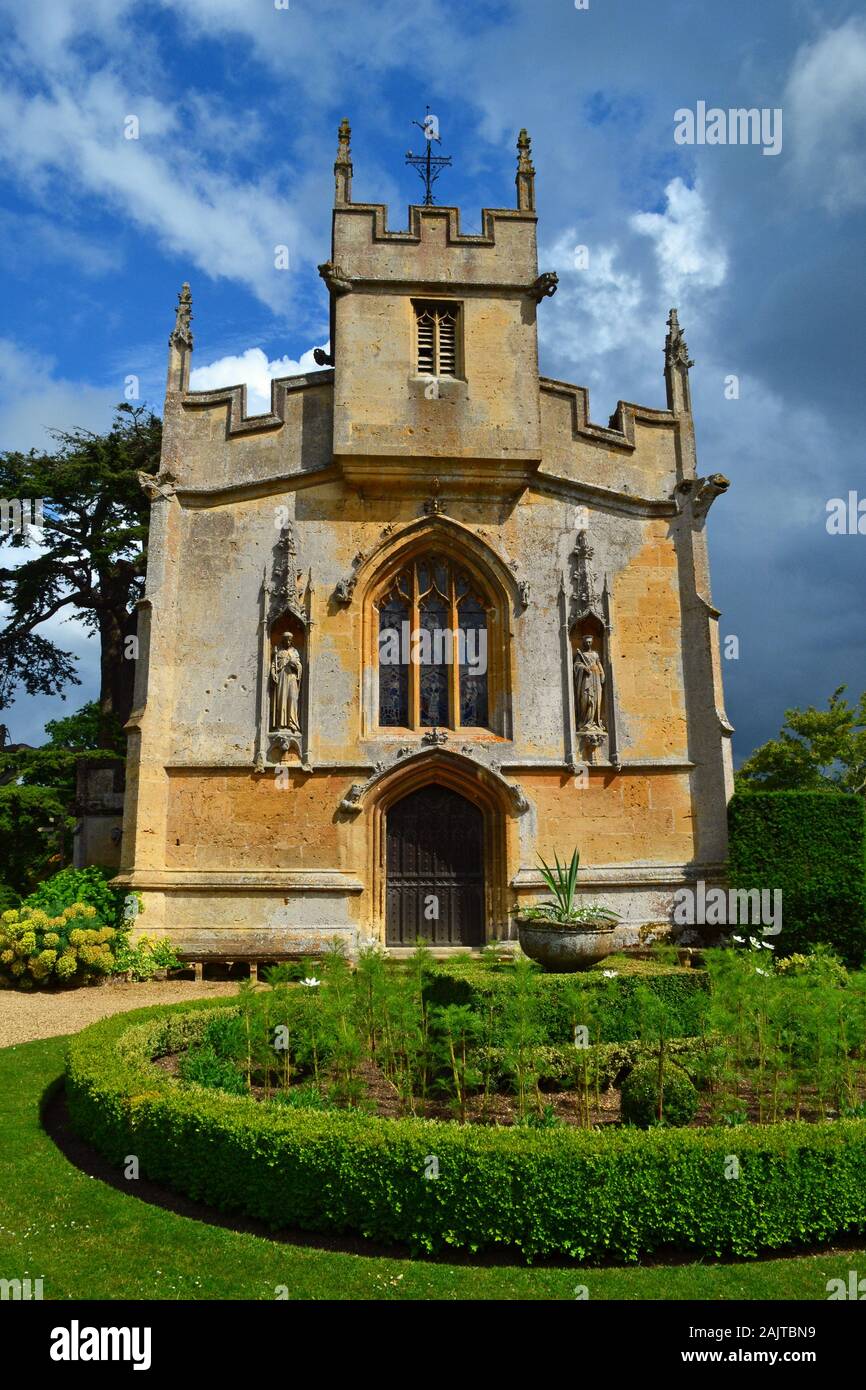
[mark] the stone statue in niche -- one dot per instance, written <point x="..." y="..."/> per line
<point x="286" y="675"/>
<point x="588" y="686"/>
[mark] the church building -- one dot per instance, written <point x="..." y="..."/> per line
<point x="422" y="622"/>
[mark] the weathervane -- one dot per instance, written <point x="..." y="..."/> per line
<point x="429" y="165"/>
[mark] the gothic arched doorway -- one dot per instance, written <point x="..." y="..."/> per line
<point x="435" y="869"/>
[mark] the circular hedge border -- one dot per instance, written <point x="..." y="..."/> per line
<point x="560" y="1192"/>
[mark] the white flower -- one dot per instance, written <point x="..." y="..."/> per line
<point x="759" y="971"/>
<point x="768" y="946"/>
<point x="739" y="939"/>
<point x="311" y="981"/>
<point x="610" y="974"/>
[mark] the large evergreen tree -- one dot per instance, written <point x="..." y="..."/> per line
<point x="92" y="560"/>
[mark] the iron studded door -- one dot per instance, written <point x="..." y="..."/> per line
<point x="435" y="870"/>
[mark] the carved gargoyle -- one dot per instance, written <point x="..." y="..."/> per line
<point x="160" y="485"/>
<point x="352" y="800"/>
<point x="322" y="358"/>
<point x="544" y="286"/>
<point x="335" y="278"/>
<point x="702" y="491"/>
<point x="181" y="334"/>
<point x="344" y="589"/>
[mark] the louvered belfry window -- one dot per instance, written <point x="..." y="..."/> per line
<point x="436" y="330"/>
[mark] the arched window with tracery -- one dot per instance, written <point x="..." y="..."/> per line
<point x="433" y="628"/>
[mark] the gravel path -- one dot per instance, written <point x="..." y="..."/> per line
<point x="24" y="1017"/>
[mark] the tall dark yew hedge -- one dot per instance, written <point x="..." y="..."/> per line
<point x="812" y="846"/>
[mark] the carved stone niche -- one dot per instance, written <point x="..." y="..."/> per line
<point x="287" y="670"/>
<point x="589" y="631"/>
<point x="284" y="658"/>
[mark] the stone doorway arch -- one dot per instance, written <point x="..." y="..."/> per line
<point x="498" y="804"/>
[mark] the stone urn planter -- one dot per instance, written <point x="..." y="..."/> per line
<point x="564" y="947"/>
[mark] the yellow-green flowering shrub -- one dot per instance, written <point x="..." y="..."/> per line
<point x="66" y="966"/>
<point x="72" y="947"/>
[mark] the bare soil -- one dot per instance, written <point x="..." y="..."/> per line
<point x="378" y="1096"/>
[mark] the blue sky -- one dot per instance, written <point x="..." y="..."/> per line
<point x="238" y="104"/>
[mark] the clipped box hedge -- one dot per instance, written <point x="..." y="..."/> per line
<point x="811" y="846"/>
<point x="480" y="984"/>
<point x="576" y="1193"/>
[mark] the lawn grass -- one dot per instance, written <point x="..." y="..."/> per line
<point x="87" y="1240"/>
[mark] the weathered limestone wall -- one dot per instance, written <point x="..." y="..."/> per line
<point x="225" y="549"/>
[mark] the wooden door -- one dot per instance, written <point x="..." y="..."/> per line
<point x="435" y="870"/>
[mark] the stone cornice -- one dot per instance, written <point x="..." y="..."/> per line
<point x="245" y="880"/>
<point x="628" y="875"/>
<point x="552" y="484"/>
<point x="576" y="490"/>
<point x="257" y="487"/>
<point x="444" y="289"/>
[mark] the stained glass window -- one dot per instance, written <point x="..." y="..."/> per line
<point x="394" y="623"/>
<point x="472" y="620"/>
<point x="433" y="658"/>
<point x="432" y="653"/>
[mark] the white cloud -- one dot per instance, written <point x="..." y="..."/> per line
<point x="331" y="47"/>
<point x="687" y="254"/>
<point x="223" y="225"/>
<point x="253" y="368"/>
<point x="33" y="400"/>
<point x="597" y="308"/>
<point x="825" y="111"/>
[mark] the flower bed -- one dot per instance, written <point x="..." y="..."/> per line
<point x="432" y="1185"/>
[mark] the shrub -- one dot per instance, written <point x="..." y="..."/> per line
<point x="612" y="1005"/>
<point x="811" y="846"/>
<point x="8" y="898"/>
<point x="546" y="1192"/>
<point x="38" y="949"/>
<point x="70" y="887"/>
<point x="142" y="958"/>
<point x="204" y="1066"/>
<point x="71" y="948"/>
<point x="643" y="1098"/>
<point x="821" y="965"/>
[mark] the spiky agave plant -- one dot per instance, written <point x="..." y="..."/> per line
<point x="562" y="882"/>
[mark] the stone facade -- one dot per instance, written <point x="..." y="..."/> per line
<point x="283" y="533"/>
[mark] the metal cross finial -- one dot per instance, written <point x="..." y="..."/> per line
<point x="429" y="165"/>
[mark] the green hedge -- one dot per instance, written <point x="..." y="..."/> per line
<point x="584" y="1194"/>
<point x="811" y="846"/>
<point x="481" y="985"/>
